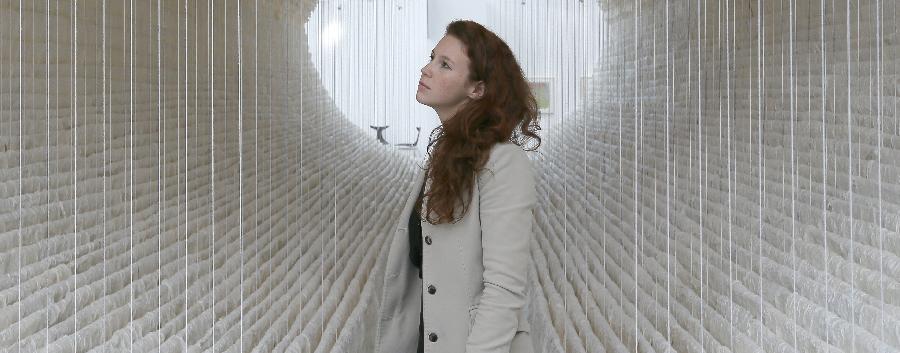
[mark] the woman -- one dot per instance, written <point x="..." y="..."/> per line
<point x="457" y="270"/>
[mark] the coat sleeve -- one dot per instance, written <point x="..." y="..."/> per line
<point x="507" y="196"/>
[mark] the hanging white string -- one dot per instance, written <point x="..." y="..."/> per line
<point x="184" y="191"/>
<point x="581" y="57"/>
<point x="19" y="205"/>
<point x="332" y="137"/>
<point x="10" y="86"/>
<point x="374" y="66"/>
<point x="824" y="45"/>
<point x="241" y="167"/>
<point x="620" y="81"/>
<point x="688" y="127"/>
<point x="47" y="254"/>
<point x="404" y="62"/>
<point x="878" y="69"/>
<point x="269" y="116"/>
<point x="700" y="159"/>
<point x="210" y="34"/>
<point x="225" y="149"/>
<point x="639" y="159"/>
<point x="834" y="93"/>
<point x="303" y="65"/>
<point x="318" y="112"/>
<point x="809" y="100"/>
<point x="850" y="177"/>
<point x="348" y="98"/>
<point x="636" y="38"/>
<point x="390" y="90"/>
<point x="357" y="33"/>
<point x="75" y="150"/>
<point x="760" y="158"/>
<point x="732" y="173"/>
<point x="161" y="135"/>
<point x="131" y="174"/>
<point x="655" y="190"/>
<point x="159" y="177"/>
<point x="103" y="136"/>
<point x="674" y="116"/>
<point x="286" y="44"/>
<point x="668" y="24"/>
<point x="196" y="97"/>
<point x="256" y="141"/>
<point x="792" y="114"/>
<point x="728" y="63"/>
<point x="605" y="24"/>
<point x="10" y="82"/>
<point x="408" y="13"/>
<point x="565" y="181"/>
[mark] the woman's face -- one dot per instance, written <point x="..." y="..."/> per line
<point x="445" y="84"/>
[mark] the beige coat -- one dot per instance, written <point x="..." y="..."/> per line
<point x="476" y="268"/>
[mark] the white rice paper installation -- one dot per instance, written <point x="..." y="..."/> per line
<point x="694" y="193"/>
<point x="163" y="258"/>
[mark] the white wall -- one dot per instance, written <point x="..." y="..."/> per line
<point x="558" y="41"/>
<point x="442" y="12"/>
<point x="372" y="69"/>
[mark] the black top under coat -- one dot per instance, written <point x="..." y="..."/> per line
<point x="415" y="236"/>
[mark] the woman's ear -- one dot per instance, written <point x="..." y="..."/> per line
<point x="477" y="90"/>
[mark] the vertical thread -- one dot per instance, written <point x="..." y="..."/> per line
<point x="241" y="168"/>
<point x="794" y="296"/>
<point x="635" y="176"/>
<point x="729" y="26"/>
<point x="668" y="199"/>
<point x="186" y="173"/>
<point x="850" y="179"/>
<point x="878" y="68"/>
<point x="75" y="151"/>
<point x="212" y="160"/>
<point x="49" y="176"/>
<point x="103" y="136"/>
<point x="824" y="59"/>
<point x="19" y="206"/>
<point x="131" y="174"/>
<point x="160" y="143"/>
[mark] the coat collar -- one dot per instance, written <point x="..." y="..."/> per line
<point x="411" y="195"/>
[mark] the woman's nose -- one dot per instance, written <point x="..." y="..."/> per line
<point x="424" y="70"/>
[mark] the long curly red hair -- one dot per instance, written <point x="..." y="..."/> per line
<point x="507" y="112"/>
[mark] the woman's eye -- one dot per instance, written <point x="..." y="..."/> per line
<point x="443" y="63"/>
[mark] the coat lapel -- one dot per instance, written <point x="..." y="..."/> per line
<point x="413" y="193"/>
<point x="397" y="260"/>
<point x="401" y="290"/>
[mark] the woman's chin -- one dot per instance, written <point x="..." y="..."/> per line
<point x="422" y="102"/>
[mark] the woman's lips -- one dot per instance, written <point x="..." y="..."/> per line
<point x="421" y="85"/>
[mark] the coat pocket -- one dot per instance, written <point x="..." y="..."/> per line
<point x="521" y="343"/>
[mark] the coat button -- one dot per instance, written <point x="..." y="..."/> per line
<point x="428" y="239"/>
<point x="431" y="289"/>
<point x="432" y="337"/>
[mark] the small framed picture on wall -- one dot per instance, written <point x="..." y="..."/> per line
<point x="542" y="89"/>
